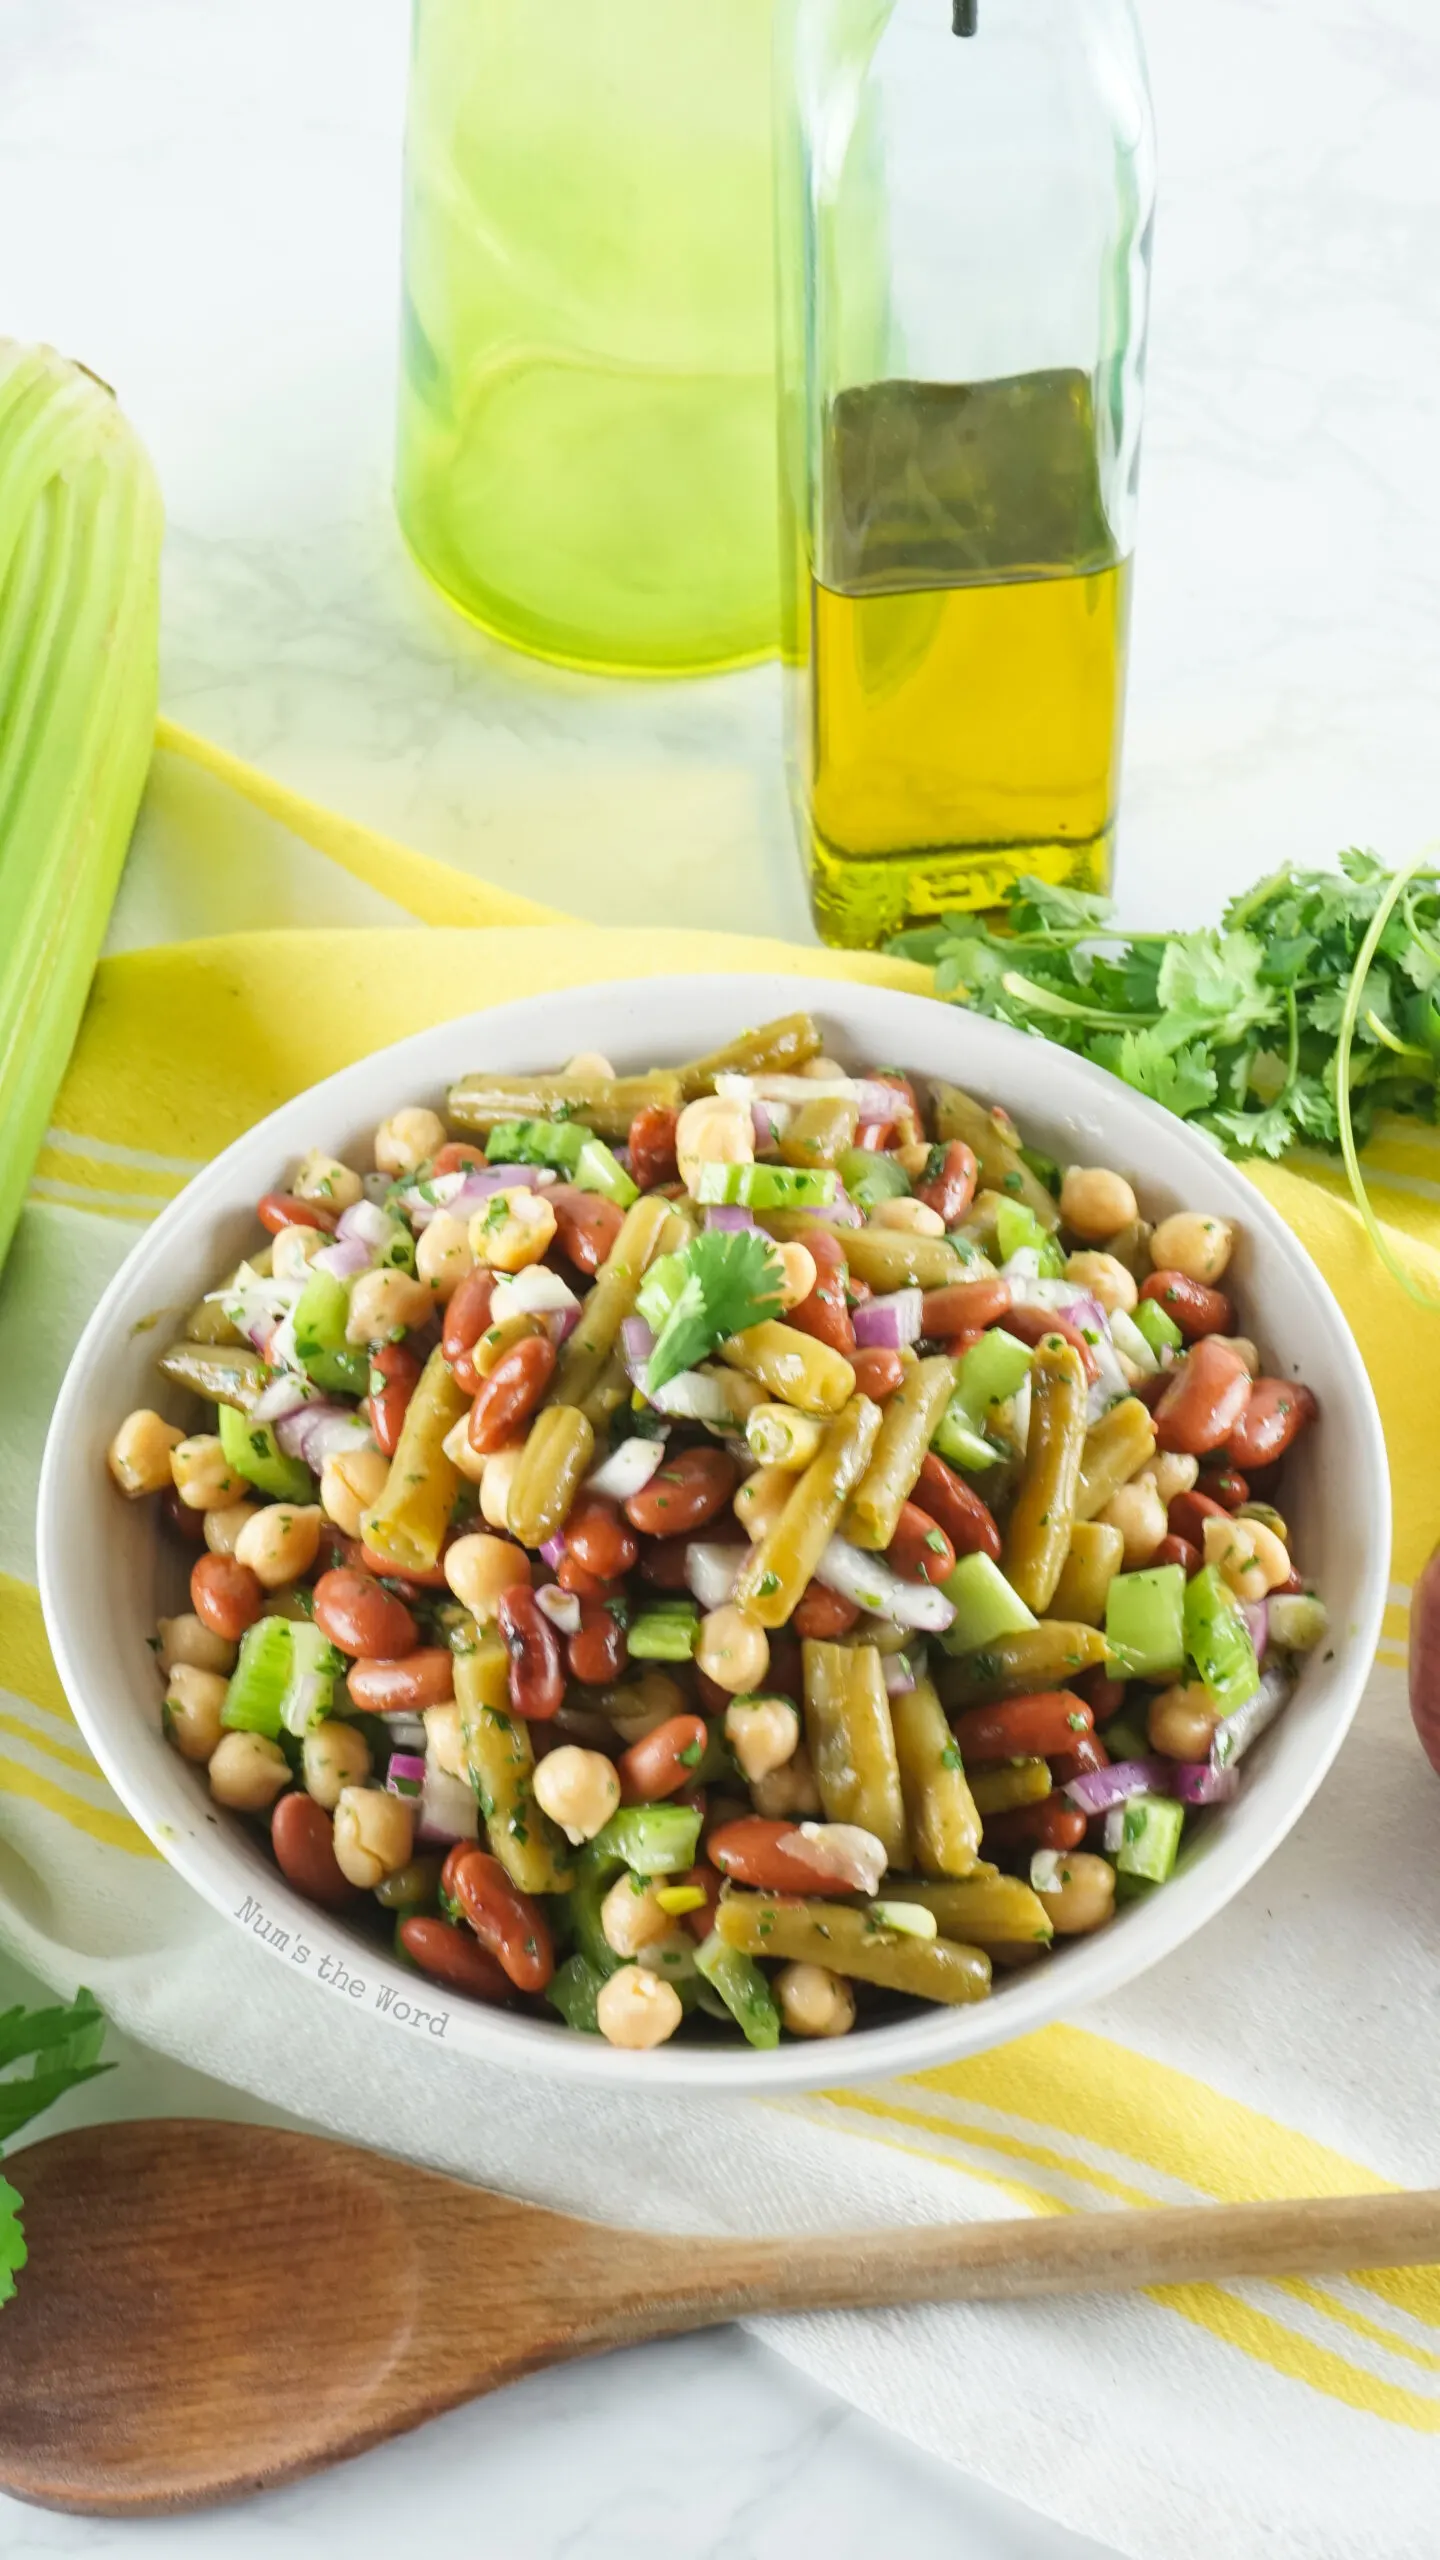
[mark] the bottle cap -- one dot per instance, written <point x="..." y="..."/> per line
<point x="965" y="17"/>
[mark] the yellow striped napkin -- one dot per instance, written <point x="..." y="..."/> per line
<point x="1292" y="2050"/>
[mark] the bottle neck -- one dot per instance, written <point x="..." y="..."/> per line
<point x="966" y="12"/>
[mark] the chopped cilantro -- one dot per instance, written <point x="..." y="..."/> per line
<point x="731" y="1281"/>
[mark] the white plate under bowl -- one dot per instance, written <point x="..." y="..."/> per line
<point x="105" y="1575"/>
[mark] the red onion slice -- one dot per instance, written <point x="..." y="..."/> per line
<point x="1097" y="1790"/>
<point x="890" y="1323"/>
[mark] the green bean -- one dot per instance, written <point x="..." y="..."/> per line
<point x="819" y="1132"/>
<point x="610" y="1391"/>
<point x="851" y="1742"/>
<point x="606" y="1104"/>
<point x="1011" y="1783"/>
<point x="413" y="1887"/>
<point x="780" y="1437"/>
<point x="1116" y="1447"/>
<point x="1037" y="1540"/>
<point x="552" y="1467"/>
<point x="849" y="1942"/>
<point x="884" y="1257"/>
<point x="413" y="1512"/>
<point x="942" y="1813"/>
<point x="221" y="1373"/>
<point x="772" y="1050"/>
<point x="1132" y="1247"/>
<point x="1096" y="1554"/>
<point x="500" y="1762"/>
<point x="1044" y="1657"/>
<point x="983" y="1909"/>
<point x="793" y="1366"/>
<point x="911" y="1418"/>
<point x="586" y="1355"/>
<point x="776" y="1572"/>
<point x="994" y="1147"/>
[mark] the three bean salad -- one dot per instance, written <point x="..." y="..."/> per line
<point x="735" y="1548"/>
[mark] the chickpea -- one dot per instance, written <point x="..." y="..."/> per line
<point x="334" y="1756"/>
<point x="578" y="1789"/>
<point x="408" y="1139"/>
<point x="1139" y="1514"/>
<point x="1182" y="1721"/>
<point x="514" y="1229"/>
<point x="760" y="1500"/>
<point x="374" y="1834"/>
<point x="480" y="1570"/>
<point x="1083" y="1895"/>
<point x="1243" y="1348"/>
<point x="1096" y="1204"/>
<point x="222" y="1528"/>
<point x="351" y="1484"/>
<point x="193" y="1703"/>
<point x="798" y="1264"/>
<point x="789" y="1793"/>
<point x="321" y="1177"/>
<point x="1171" y="1472"/>
<point x="732" y="1650"/>
<point x="188" y="1639"/>
<point x="814" y="2001"/>
<point x="1200" y="1247"/>
<point x="384" y="1305"/>
<point x="443" y="1254"/>
<point x="472" y="1463"/>
<point x="294" y="1249"/>
<point x="280" y="1543"/>
<point x="636" y="2010"/>
<point x="591" y="1062"/>
<point x="495" y="1485"/>
<point x="1109" y="1283"/>
<point x="445" y="1740"/>
<point x="203" y="1476"/>
<point x="139" y="1455"/>
<point x="910" y="1217"/>
<point x="1249" y="1556"/>
<point x="248" y="1772"/>
<point x="763" y="1733"/>
<point x="642" y="1704"/>
<point x="630" y="1916"/>
<point x="712" y="1132"/>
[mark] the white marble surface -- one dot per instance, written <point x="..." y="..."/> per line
<point x="199" y="197"/>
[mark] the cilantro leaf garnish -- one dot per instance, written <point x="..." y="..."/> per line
<point x="731" y="1281"/>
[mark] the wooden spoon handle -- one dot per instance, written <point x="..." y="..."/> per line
<point x="1078" y="2253"/>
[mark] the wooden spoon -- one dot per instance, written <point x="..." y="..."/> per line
<point x="214" y="2308"/>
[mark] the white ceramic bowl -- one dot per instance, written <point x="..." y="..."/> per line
<point x="105" y="1576"/>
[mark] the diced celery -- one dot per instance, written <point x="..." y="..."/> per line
<point x="870" y="1178"/>
<point x="743" y="1988"/>
<point x="259" y="1680"/>
<point x="315" y="1666"/>
<point x="396" y="1251"/>
<point x="595" y="1872"/>
<point x="573" y="1990"/>
<point x="991" y="1371"/>
<point x="1297" y="1621"/>
<point x="1218" y="1641"/>
<point x="1145" y="1623"/>
<point x="660" y="1288"/>
<point x="664" y="1634"/>
<point x="598" y="1169"/>
<point x="1160" y="1331"/>
<point x="321" y="1314"/>
<point x="552" y="1142"/>
<point x="956" y="1442"/>
<point x="765" y="1186"/>
<point x="650" y="1839"/>
<point x="1151" y="1837"/>
<point x="252" y="1449"/>
<point x="985" y="1605"/>
<point x="1018" y="1230"/>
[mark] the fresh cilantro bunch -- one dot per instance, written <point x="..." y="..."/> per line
<point x="723" y="1282"/>
<point x="62" y="2046"/>
<point x="1310" y="1009"/>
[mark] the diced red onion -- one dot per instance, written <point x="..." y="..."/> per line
<point x="627" y="1469"/>
<point x="764" y="1123"/>
<point x="560" y="1323"/>
<point x="1096" y="1790"/>
<point x="899" y="1674"/>
<point x="533" y="1292"/>
<point x="553" y="1550"/>
<point x="405" y="1731"/>
<point x="697" y="1395"/>
<point x="712" y="1571"/>
<point x="730" y="1219"/>
<point x="839" y="1212"/>
<point x="473" y="1189"/>
<point x="1256" y="1614"/>
<point x="1196" y="1782"/>
<point x="447" y="1810"/>
<point x="329" y="1432"/>
<point x="405" y="1775"/>
<point x="365" y="1222"/>
<point x="291" y="1429"/>
<point x="1235" y="1733"/>
<point x="284" y="1396"/>
<point x="890" y="1323"/>
<point x="870" y="1582"/>
<point x="636" y="1344"/>
<point x="344" y="1260"/>
<point x="562" y="1608"/>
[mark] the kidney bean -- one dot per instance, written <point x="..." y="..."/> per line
<point x="908" y="1104"/>
<point x="598" y="1538"/>
<point x="452" y="1956"/>
<point x="821" y="1614"/>
<point x="683" y="1494"/>
<point x="409" y="1587"/>
<point x="1203" y="1400"/>
<point x="302" y="1837"/>
<point x="511" y="1393"/>
<point x="394" y="1377"/>
<point x="225" y="1595"/>
<point x="466" y="1317"/>
<point x="1151" y="1389"/>
<point x="537" y="1674"/>
<point x="422" y="1679"/>
<point x="786" y="1675"/>
<point x="1022" y="1728"/>
<point x="773" y="1856"/>
<point x="652" y="1146"/>
<point x="952" y="1188"/>
<point x="825" y="1314"/>
<point x="1224" y="1486"/>
<point x="1053" y="1823"/>
<point x="701" y="1920"/>
<point x="1277" y="1412"/>
<point x="586" y="1225"/>
<point x="183" y="1523"/>
<point x="1031" y="1324"/>
<point x="920" y="1549"/>
<point x="1173" y="1550"/>
<point x="597" y="1651"/>
<point x="509" y="1924"/>
<point x="1102" y="1695"/>
<point x="353" y="1611"/>
<point x="280" y="1209"/>
<point x="965" y="1306"/>
<point x="878" y="1373"/>
<point x="662" y="1762"/>
<point x="336" y="1550"/>
<point x="967" y="1521"/>
<point x="1089" y="1753"/>
<point x="858" y="1293"/>
<point x="1196" y="1308"/>
<point x="662" y="1564"/>
<point x="460" y="1155"/>
<point x="957" y="1344"/>
<point x="877" y="1137"/>
<point x="712" y="1697"/>
<point x="575" y="1577"/>
<point x="1187" y="1513"/>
